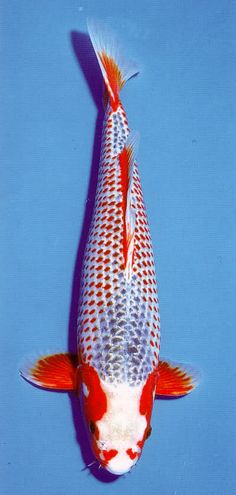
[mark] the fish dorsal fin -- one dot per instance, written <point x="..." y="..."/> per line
<point x="127" y="159"/>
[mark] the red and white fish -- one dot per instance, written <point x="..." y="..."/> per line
<point x="117" y="370"/>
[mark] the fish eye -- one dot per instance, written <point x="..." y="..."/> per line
<point x="92" y="427"/>
<point x="148" y="433"/>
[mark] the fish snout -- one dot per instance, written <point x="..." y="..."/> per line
<point x="121" y="464"/>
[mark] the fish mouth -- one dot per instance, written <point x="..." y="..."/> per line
<point x="118" y="472"/>
<point x="118" y="467"/>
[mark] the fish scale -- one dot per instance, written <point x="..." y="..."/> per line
<point x="118" y="322"/>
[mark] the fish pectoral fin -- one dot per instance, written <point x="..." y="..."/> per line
<point x="175" y="380"/>
<point x="53" y="371"/>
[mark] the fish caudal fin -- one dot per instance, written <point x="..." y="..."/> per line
<point x="175" y="380"/>
<point x="127" y="159"/>
<point x="115" y="69"/>
<point x="55" y="371"/>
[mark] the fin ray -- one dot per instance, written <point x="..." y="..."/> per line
<point x="127" y="160"/>
<point x="53" y="371"/>
<point x="115" y="69"/>
<point x="175" y="379"/>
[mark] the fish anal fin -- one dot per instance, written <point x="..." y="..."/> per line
<point x="175" y="379"/>
<point x="53" y="371"/>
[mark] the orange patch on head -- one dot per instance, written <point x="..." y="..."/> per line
<point x="95" y="404"/>
<point x="146" y="401"/>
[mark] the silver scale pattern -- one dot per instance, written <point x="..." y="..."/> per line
<point x="118" y="322"/>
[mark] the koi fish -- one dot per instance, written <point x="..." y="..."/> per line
<point x="117" y="369"/>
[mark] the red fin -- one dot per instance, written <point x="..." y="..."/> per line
<point x="56" y="371"/>
<point x="127" y="159"/>
<point x="115" y="70"/>
<point x="175" y="379"/>
<point x="114" y="80"/>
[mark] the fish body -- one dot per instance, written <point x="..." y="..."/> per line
<point x="117" y="369"/>
<point x="118" y="323"/>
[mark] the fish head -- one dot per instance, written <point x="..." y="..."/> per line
<point x="118" y="418"/>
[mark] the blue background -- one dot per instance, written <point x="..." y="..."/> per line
<point x="183" y="104"/>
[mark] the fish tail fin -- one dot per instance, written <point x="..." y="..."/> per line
<point x="115" y="69"/>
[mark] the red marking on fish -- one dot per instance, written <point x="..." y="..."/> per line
<point x="95" y="403"/>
